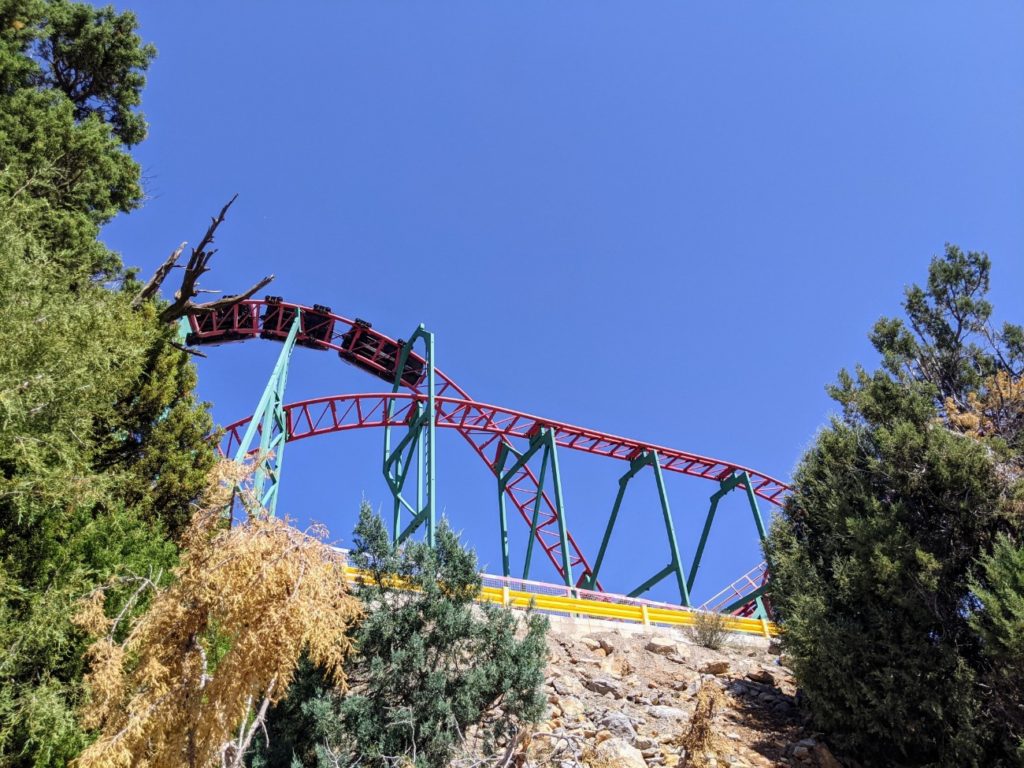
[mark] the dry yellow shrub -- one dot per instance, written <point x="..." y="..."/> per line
<point x="195" y="674"/>
<point x="998" y="410"/>
<point x="703" y="745"/>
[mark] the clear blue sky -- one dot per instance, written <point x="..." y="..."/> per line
<point x="672" y="221"/>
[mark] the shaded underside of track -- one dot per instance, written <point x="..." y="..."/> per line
<point x="485" y="427"/>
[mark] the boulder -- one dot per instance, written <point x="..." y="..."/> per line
<point x="572" y="708"/>
<point x="715" y="668"/>
<point x="663" y="712"/>
<point x="823" y="757"/>
<point x="762" y="676"/>
<point x="619" y="724"/>
<point x="661" y="646"/>
<point x="615" y="753"/>
<point x="603" y="684"/>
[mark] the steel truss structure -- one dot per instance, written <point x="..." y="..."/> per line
<point x="423" y="399"/>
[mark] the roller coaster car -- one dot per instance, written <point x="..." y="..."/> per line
<point x="316" y="325"/>
<point x="219" y="326"/>
<point x="367" y="349"/>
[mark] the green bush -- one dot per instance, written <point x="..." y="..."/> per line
<point x="708" y="630"/>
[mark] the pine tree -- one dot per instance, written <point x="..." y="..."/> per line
<point x="876" y="574"/>
<point x="71" y="76"/>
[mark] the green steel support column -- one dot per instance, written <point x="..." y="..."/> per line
<point x="537" y="515"/>
<point x="417" y="447"/>
<point x="740" y="602"/>
<point x="543" y="440"/>
<point x="758" y="520"/>
<point x="563" y="530"/>
<point x="761" y="612"/>
<point x="503" y="451"/>
<point x="269" y="422"/>
<point x="677" y="561"/>
<point x="723" y="488"/>
<point x="634" y="466"/>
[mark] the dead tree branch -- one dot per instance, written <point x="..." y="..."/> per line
<point x="197" y="266"/>
<point x="149" y="289"/>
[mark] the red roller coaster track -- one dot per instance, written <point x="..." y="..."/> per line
<point x="485" y="427"/>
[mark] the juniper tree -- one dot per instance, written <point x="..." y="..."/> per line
<point x="877" y="574"/>
<point x="71" y="76"/>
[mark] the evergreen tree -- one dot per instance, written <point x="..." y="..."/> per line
<point x="71" y="76"/>
<point x="875" y="557"/>
<point x="428" y="664"/>
<point x="102" y="444"/>
<point x="102" y="448"/>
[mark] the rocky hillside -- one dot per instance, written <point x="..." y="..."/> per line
<point x="622" y="698"/>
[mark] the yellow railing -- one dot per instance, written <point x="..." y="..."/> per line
<point x="627" y="609"/>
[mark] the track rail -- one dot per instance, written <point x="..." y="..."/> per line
<point x="490" y="423"/>
<point x="484" y="427"/>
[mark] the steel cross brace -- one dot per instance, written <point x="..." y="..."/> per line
<point x="543" y="440"/>
<point x="417" y="448"/>
<point x="270" y="422"/>
<point x="643" y="459"/>
<point x="725" y="486"/>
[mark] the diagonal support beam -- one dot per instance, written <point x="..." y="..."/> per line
<point x="269" y="423"/>
<point x="739" y="479"/>
<point x="644" y="459"/>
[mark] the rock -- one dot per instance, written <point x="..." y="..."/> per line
<point x="823" y="757"/>
<point x="602" y="684"/>
<point x="663" y="712"/>
<point x="619" y="724"/>
<point x="572" y="709"/>
<point x="614" y="665"/>
<point x="616" y="753"/>
<point x="562" y="688"/>
<point x="715" y="668"/>
<point x="602" y="736"/>
<point x="762" y="676"/>
<point x="661" y="646"/>
<point x="592" y="643"/>
<point x="645" y="743"/>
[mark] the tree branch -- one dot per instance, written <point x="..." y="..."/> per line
<point x="149" y="289"/>
<point x="230" y="301"/>
<point x="198" y="265"/>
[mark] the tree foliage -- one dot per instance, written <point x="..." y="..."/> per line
<point x="429" y="664"/>
<point x="878" y="560"/>
<point x="217" y="645"/>
<point x="102" y="443"/>
<point x="102" y="449"/>
<point x="71" y="76"/>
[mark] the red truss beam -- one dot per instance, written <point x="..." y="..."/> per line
<point x="487" y="424"/>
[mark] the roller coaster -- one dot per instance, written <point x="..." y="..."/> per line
<point x="520" y="449"/>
